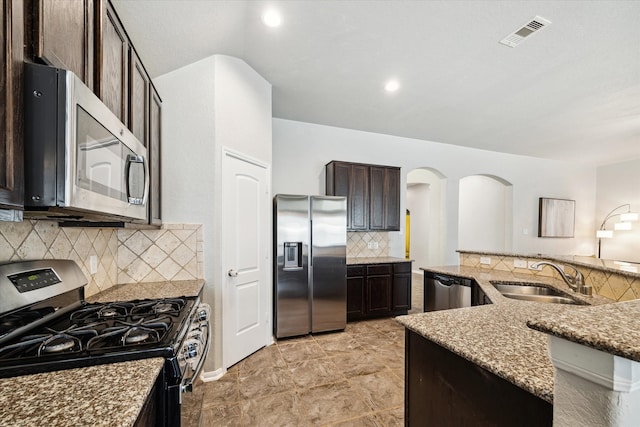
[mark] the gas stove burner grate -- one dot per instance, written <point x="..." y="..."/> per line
<point x="137" y="335"/>
<point x="68" y="340"/>
<point x="15" y="320"/>
<point x="102" y="311"/>
<point x="127" y="334"/>
<point x="163" y="306"/>
<point x="59" y="343"/>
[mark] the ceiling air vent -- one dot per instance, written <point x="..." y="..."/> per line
<point x="518" y="36"/>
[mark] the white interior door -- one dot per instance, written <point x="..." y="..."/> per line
<point x="246" y="241"/>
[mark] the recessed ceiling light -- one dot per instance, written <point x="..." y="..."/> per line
<point x="272" y="18"/>
<point x="392" y="86"/>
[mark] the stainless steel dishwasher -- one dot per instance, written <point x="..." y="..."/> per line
<point x="442" y="292"/>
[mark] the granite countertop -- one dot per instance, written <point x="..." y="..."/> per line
<point x="132" y="291"/>
<point x="104" y="395"/>
<point x="375" y="260"/>
<point x="496" y="336"/>
<point x="620" y="335"/>
<point x="101" y="395"/>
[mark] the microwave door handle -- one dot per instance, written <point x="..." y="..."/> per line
<point x="132" y="158"/>
<point x="145" y="194"/>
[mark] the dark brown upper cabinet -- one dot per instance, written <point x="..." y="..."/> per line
<point x="352" y="181"/>
<point x="385" y="198"/>
<point x="112" y="61"/>
<point x="373" y="194"/>
<point x="155" y="122"/>
<point x="86" y="37"/>
<point x="62" y="35"/>
<point x="11" y="109"/>
<point x="139" y="87"/>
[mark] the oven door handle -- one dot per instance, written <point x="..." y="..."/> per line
<point x="188" y="385"/>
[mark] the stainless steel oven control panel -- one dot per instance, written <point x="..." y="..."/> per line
<point x="195" y="346"/>
<point x="28" y="282"/>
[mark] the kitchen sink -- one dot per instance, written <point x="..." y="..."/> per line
<point x="533" y="292"/>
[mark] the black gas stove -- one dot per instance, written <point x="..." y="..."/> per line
<point x="46" y="325"/>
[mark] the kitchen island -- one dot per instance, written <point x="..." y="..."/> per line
<point x="495" y="337"/>
<point x="103" y="395"/>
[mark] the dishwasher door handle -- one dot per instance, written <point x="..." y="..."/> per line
<point x="446" y="281"/>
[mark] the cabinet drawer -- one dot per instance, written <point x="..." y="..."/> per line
<point x="378" y="269"/>
<point x="402" y="267"/>
<point x="355" y="270"/>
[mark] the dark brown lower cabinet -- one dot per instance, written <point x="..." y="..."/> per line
<point x="378" y="290"/>
<point x="444" y="389"/>
<point x="379" y="281"/>
<point x="401" y="286"/>
<point x="355" y="292"/>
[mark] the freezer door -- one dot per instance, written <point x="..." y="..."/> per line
<point x="291" y="311"/>
<point x="328" y="269"/>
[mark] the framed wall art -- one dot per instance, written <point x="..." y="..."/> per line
<point x="556" y="217"/>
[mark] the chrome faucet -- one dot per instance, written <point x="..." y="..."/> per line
<point x="575" y="282"/>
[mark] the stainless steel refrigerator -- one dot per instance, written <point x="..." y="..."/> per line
<point x="310" y="272"/>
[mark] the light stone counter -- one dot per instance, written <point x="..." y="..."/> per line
<point x="375" y="260"/>
<point x="496" y="336"/>
<point x="102" y="395"/>
<point x="618" y="335"/>
<point x="105" y="395"/>
<point x="133" y="291"/>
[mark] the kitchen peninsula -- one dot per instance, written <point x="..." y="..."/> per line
<point x="486" y="346"/>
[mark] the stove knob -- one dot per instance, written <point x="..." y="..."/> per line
<point x="203" y="311"/>
<point x="191" y="350"/>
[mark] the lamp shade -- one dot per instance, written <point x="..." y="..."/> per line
<point x="629" y="216"/>
<point x="622" y="226"/>
<point x="604" y="234"/>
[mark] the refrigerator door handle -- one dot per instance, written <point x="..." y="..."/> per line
<point x="232" y="273"/>
<point x="311" y="242"/>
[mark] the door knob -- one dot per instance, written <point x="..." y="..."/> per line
<point x="232" y="273"/>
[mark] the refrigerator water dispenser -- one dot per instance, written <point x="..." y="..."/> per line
<point x="292" y="256"/>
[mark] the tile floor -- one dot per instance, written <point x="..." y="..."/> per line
<point x="350" y="378"/>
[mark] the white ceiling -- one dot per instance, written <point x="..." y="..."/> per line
<point x="569" y="91"/>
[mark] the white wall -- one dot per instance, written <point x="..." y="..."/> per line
<point x="619" y="184"/>
<point x="300" y="151"/>
<point x="218" y="101"/>
<point x="418" y="203"/>
<point x="485" y="218"/>
<point x="428" y="219"/>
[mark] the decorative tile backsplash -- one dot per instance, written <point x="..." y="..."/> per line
<point x="358" y="244"/>
<point x="30" y="240"/>
<point x="123" y="255"/>
<point x="172" y="253"/>
<point x="618" y="287"/>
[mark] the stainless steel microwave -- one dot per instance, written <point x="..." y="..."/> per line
<point x="81" y="161"/>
